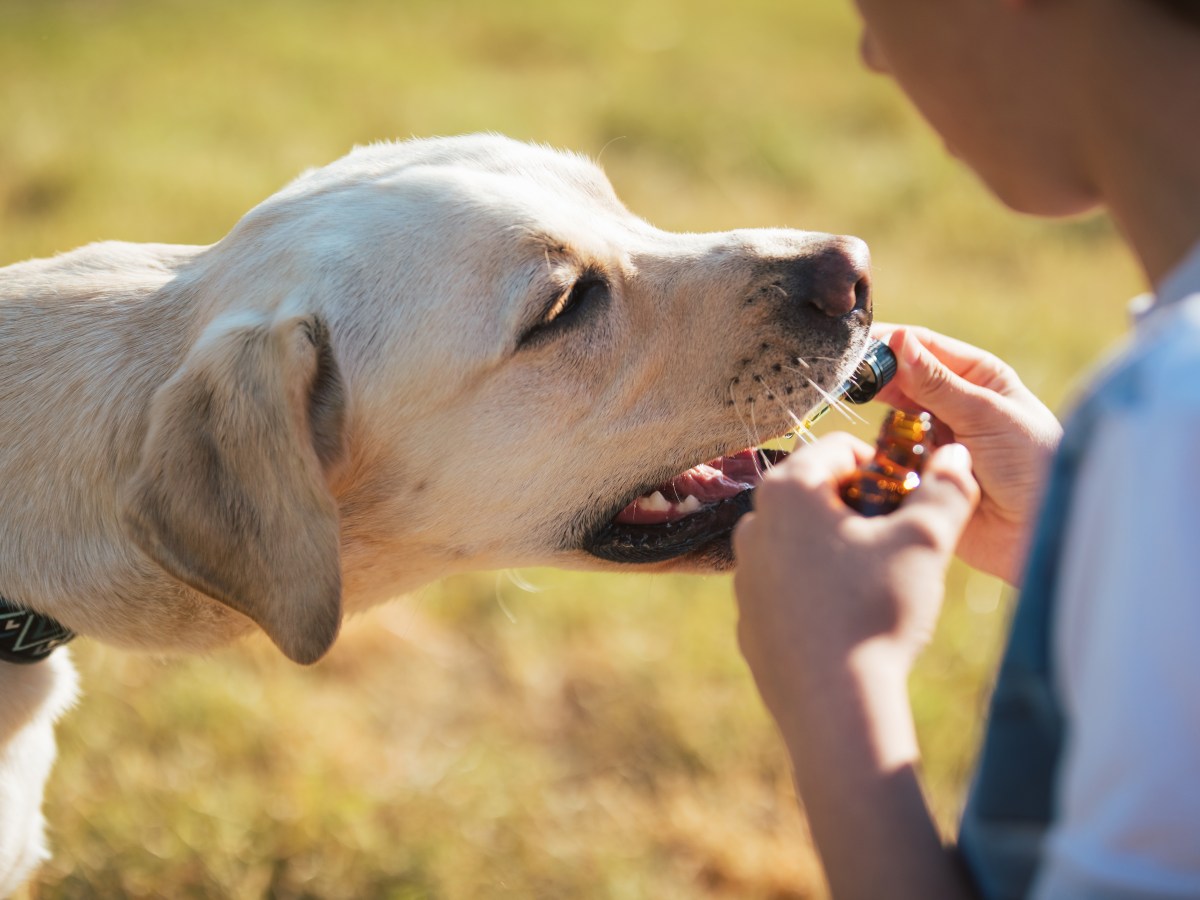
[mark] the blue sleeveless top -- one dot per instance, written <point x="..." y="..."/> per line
<point x="1011" y="803"/>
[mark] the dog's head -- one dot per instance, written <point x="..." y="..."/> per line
<point x="467" y="353"/>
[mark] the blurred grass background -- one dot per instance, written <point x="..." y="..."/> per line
<point x="539" y="734"/>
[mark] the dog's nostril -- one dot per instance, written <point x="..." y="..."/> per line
<point x="862" y="293"/>
<point x="839" y="276"/>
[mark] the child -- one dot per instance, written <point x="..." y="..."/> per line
<point x="1088" y="784"/>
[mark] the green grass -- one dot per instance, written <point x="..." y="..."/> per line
<point x="600" y="736"/>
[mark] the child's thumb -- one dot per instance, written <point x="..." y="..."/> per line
<point x="930" y="384"/>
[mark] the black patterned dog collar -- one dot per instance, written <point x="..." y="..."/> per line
<point x="28" y="637"/>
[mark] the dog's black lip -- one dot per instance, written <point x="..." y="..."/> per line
<point x="714" y="524"/>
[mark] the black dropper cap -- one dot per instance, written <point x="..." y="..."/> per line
<point x="876" y="369"/>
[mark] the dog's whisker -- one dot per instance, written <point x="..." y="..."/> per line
<point x="755" y="438"/>
<point x="520" y="581"/>
<point x="801" y="431"/>
<point x="500" y="599"/>
<point x="741" y="416"/>
<point x="834" y="401"/>
<point x="838" y="404"/>
<point x="752" y="424"/>
<point x="829" y="398"/>
<point x="794" y="369"/>
<point x="754" y="427"/>
<point x="805" y="422"/>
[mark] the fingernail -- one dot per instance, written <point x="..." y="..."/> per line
<point x="910" y="349"/>
<point x="955" y="456"/>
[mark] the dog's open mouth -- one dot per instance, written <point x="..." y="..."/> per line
<point x="687" y="513"/>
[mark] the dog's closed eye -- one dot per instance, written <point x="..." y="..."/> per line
<point x="587" y="296"/>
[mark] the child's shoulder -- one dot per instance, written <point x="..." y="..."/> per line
<point x="1167" y="353"/>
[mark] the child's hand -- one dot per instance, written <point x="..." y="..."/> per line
<point x="978" y="401"/>
<point x="820" y="587"/>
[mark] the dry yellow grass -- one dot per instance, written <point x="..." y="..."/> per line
<point x="599" y="737"/>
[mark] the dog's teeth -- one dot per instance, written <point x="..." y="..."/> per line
<point x="655" y="502"/>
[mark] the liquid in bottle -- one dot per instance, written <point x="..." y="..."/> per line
<point x="879" y="487"/>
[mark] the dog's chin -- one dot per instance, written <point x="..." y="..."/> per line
<point x="687" y="521"/>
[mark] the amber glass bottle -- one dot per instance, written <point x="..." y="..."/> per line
<point x="900" y="452"/>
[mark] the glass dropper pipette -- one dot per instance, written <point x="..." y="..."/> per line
<point x="876" y="369"/>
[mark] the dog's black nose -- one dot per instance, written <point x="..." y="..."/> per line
<point x="839" y="276"/>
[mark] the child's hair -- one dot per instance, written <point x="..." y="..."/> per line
<point x="1189" y="10"/>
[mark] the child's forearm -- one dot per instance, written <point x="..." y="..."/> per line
<point x="855" y="758"/>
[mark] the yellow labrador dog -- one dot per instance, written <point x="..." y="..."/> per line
<point x="268" y="432"/>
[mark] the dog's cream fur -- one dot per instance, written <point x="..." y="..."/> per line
<point x="336" y="403"/>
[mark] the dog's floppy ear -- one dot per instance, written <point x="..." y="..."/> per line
<point x="231" y="494"/>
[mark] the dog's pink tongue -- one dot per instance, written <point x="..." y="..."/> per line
<point x="697" y="487"/>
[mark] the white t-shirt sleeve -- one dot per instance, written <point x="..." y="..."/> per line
<point x="1127" y="651"/>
